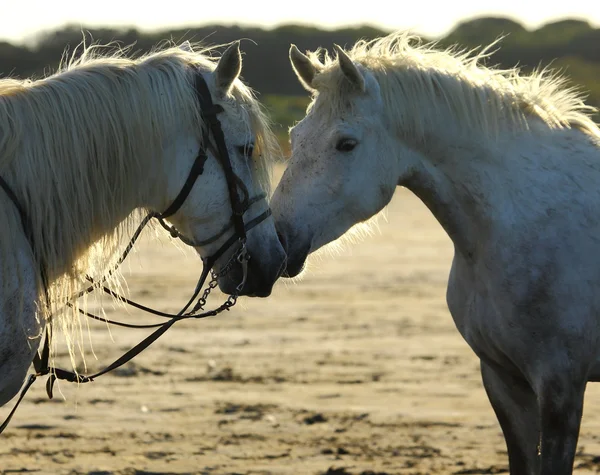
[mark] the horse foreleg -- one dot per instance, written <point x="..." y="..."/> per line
<point x="17" y="348"/>
<point x="560" y="402"/>
<point x="19" y="327"/>
<point x="515" y="405"/>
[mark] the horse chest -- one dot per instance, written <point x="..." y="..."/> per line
<point x="474" y="312"/>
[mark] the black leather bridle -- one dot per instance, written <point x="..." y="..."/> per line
<point x="240" y="203"/>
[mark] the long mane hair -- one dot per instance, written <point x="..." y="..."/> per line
<point x="418" y="81"/>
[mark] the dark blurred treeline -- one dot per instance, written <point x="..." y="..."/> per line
<point x="571" y="45"/>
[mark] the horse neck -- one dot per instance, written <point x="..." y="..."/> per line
<point x="469" y="185"/>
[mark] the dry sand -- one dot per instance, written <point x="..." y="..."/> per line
<point x="357" y="369"/>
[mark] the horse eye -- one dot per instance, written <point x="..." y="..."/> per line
<point x="346" y="145"/>
<point x="246" y="151"/>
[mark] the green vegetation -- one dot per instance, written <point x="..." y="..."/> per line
<point x="572" y="46"/>
<point x="285" y="111"/>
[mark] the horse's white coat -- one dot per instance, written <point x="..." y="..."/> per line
<point x="19" y="338"/>
<point x="510" y="167"/>
<point x="89" y="149"/>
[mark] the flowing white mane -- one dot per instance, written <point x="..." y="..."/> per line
<point x="416" y="80"/>
<point x="76" y="144"/>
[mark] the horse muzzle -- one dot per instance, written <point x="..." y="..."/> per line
<point x="257" y="279"/>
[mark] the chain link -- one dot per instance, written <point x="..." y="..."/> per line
<point x="231" y="301"/>
<point x="201" y="303"/>
<point x="237" y="256"/>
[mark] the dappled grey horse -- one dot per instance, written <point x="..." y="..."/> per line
<point x="510" y="167"/>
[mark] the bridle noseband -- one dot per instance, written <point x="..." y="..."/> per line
<point x="239" y="204"/>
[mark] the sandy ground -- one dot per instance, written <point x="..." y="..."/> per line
<point x="357" y="369"/>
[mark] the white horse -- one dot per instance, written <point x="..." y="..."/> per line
<point x="86" y="150"/>
<point x="510" y="167"/>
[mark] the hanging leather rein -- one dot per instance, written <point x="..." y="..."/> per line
<point x="240" y="203"/>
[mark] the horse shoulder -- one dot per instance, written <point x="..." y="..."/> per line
<point x="20" y="329"/>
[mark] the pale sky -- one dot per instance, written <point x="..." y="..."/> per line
<point x="20" y="19"/>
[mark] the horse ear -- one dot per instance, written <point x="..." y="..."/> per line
<point x="186" y="46"/>
<point x="228" y="68"/>
<point x="303" y="67"/>
<point x="350" y="69"/>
